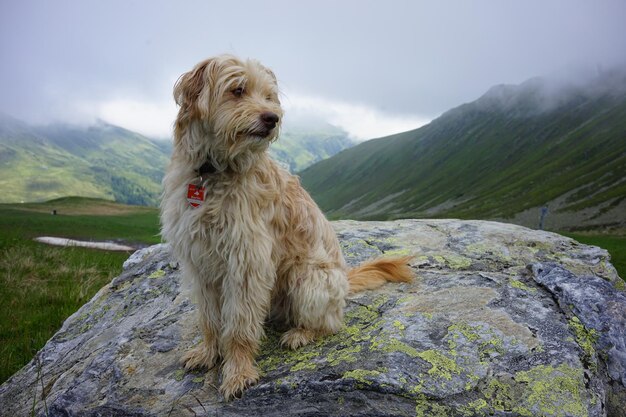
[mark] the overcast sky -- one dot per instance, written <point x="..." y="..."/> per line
<point x="371" y="67"/>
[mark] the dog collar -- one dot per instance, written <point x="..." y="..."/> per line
<point x="206" y="168"/>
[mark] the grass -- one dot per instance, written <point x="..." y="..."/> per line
<point x="41" y="285"/>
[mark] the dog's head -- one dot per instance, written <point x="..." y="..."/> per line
<point x="234" y="102"/>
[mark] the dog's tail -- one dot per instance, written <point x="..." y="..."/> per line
<point x="374" y="273"/>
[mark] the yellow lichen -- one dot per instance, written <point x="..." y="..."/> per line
<point x="457" y="262"/>
<point x="478" y="406"/>
<point x="398" y="325"/>
<point x="398" y="252"/>
<point x="427" y="408"/>
<point x="179" y="374"/>
<point x="388" y="344"/>
<point x="336" y="357"/>
<point x="360" y="320"/>
<point x="552" y="391"/>
<point x="469" y="332"/>
<point x="362" y="376"/>
<point x="302" y="365"/>
<point x="521" y="286"/>
<point x="586" y="339"/>
<point x="441" y="365"/>
<point x="543" y="390"/>
<point x="499" y="395"/>
<point x="159" y="273"/>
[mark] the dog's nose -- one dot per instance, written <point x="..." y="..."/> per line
<point x="269" y="119"/>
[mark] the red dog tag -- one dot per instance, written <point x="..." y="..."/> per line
<point x="195" y="195"/>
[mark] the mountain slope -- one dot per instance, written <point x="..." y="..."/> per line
<point x="33" y="168"/>
<point x="109" y="162"/>
<point x="515" y="149"/>
<point x="302" y="146"/>
<point x="103" y="161"/>
<point x="128" y="164"/>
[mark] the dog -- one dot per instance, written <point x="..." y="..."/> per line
<point x="247" y="235"/>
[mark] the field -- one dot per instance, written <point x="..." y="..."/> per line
<point x="40" y="285"/>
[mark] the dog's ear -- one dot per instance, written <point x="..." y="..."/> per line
<point x="189" y="86"/>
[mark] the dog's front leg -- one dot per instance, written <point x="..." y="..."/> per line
<point x="245" y="304"/>
<point x="205" y="354"/>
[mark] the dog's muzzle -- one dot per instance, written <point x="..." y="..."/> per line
<point x="269" y="120"/>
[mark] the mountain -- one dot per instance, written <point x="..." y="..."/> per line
<point x="103" y="161"/>
<point x="303" y="145"/>
<point x="40" y="163"/>
<point x="504" y="156"/>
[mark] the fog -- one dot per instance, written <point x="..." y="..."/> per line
<point x="373" y="68"/>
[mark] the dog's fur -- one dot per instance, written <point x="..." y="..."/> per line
<point x="258" y="246"/>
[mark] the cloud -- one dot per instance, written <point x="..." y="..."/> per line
<point x="422" y="59"/>
<point x="360" y="121"/>
<point x="155" y="119"/>
<point x="150" y="118"/>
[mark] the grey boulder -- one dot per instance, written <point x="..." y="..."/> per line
<point x="501" y="320"/>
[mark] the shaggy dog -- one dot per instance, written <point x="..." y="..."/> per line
<point x="248" y="236"/>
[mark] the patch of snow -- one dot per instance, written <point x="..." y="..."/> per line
<point x="60" y="241"/>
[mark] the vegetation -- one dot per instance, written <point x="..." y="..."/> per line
<point x="299" y="148"/>
<point x="108" y="162"/>
<point x="496" y="157"/>
<point x="101" y="161"/>
<point x="40" y="285"/>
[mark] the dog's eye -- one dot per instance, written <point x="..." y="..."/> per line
<point x="238" y="92"/>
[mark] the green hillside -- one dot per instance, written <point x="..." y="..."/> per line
<point x="32" y="168"/>
<point x="505" y="155"/>
<point x="300" y="146"/>
<point x="112" y="163"/>
<point x="101" y="161"/>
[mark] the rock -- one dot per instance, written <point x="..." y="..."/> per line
<point x="501" y="320"/>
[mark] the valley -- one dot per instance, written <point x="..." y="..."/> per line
<point x="506" y="156"/>
<point x="40" y="163"/>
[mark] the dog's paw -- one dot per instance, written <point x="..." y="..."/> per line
<point x="295" y="338"/>
<point x="234" y="385"/>
<point x="199" y="357"/>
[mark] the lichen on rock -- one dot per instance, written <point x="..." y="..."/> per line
<point x="501" y="320"/>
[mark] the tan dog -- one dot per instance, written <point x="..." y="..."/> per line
<point x="255" y="243"/>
